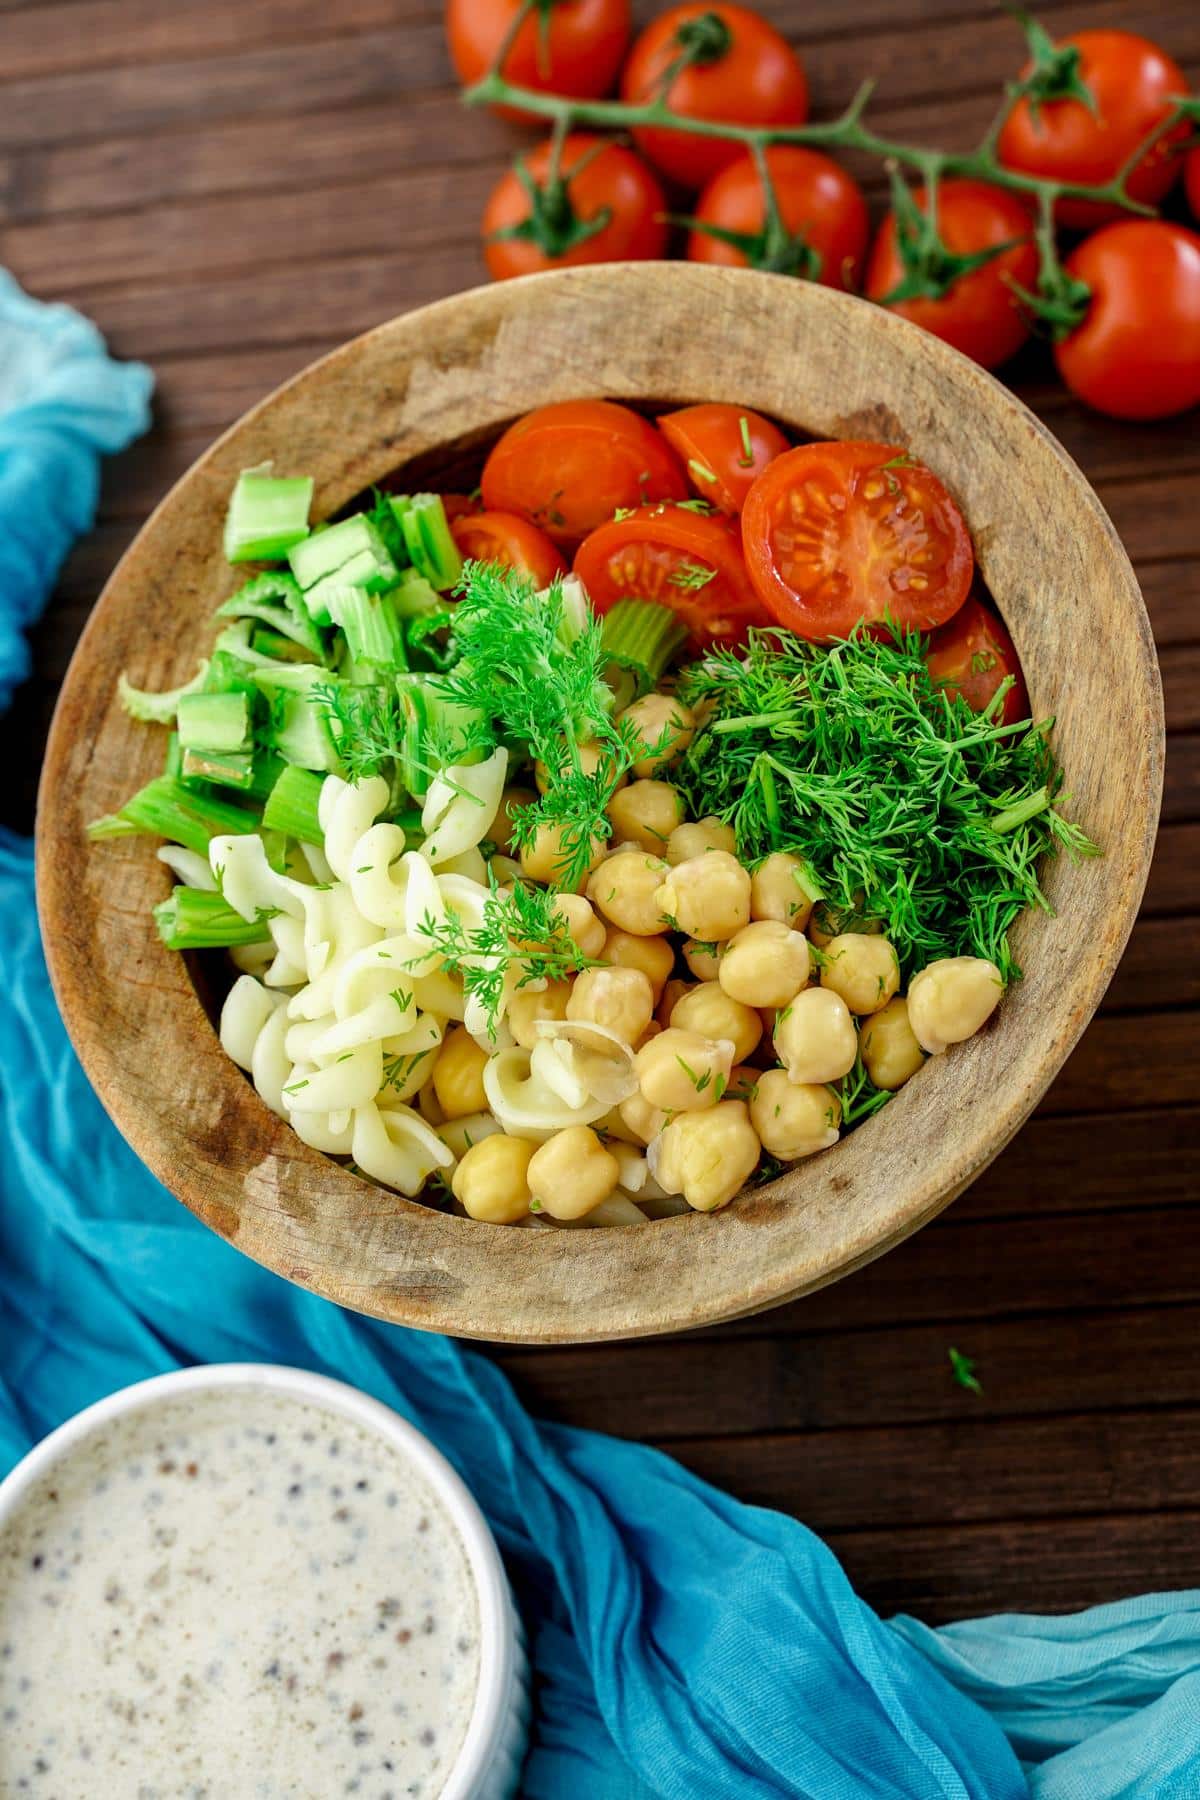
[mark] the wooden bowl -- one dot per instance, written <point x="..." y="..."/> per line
<point x="425" y="387"/>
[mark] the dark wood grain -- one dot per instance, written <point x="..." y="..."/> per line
<point x="232" y="189"/>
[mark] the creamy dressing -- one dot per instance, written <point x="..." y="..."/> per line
<point x="233" y="1595"/>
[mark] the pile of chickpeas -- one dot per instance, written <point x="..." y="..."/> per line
<point x="732" y="1059"/>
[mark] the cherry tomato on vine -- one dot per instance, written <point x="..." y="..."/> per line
<point x="691" y="562"/>
<point x="509" y="539"/>
<point x="723" y="449"/>
<point x="572" y="47"/>
<point x="978" y="313"/>
<point x="732" y="67"/>
<point x="607" y="206"/>
<point x="821" y="210"/>
<point x="1131" y="81"/>
<point x="1136" y="353"/>
<point x="835" y="533"/>
<point x="569" y="466"/>
<point x="972" y="655"/>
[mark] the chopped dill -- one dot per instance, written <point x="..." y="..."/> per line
<point x="913" y="811"/>
<point x="522" y="929"/>
<point x="963" y="1370"/>
<point x="691" y="576"/>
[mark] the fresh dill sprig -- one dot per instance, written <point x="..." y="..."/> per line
<point x="963" y="1369"/>
<point x="366" y="725"/>
<point x="521" y="928"/>
<point x="911" y="809"/>
<point x="858" y="1097"/>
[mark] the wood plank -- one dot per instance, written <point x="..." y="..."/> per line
<point x="1171" y="590"/>
<point x="956" y="1473"/>
<point x="1054" y="1565"/>
<point x="1160" y="968"/>
<point x="838" y="1384"/>
<point x="1181" y="786"/>
<point x="1052" y="1166"/>
<point x="1180" y="666"/>
<point x="1142" y="1059"/>
<point x="1171" y="888"/>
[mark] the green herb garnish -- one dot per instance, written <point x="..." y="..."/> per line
<point x="963" y="1370"/>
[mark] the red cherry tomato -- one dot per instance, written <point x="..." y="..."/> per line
<point x="1137" y="353"/>
<point x="459" y="506"/>
<point x="569" y="466"/>
<point x="599" y="178"/>
<point x="743" y="73"/>
<point x="1192" y="182"/>
<point x="572" y="47"/>
<point x="980" y="315"/>
<point x="723" y="449"/>
<point x="841" y="532"/>
<point x="972" y="655"/>
<point x="1132" y="82"/>
<point x="509" y="539"/>
<point x="818" y="203"/>
<point x="691" y="562"/>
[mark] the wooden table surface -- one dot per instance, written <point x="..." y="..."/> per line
<point x="230" y="188"/>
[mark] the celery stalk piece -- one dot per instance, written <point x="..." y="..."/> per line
<point x="413" y="596"/>
<point x="267" y="516"/>
<point x="193" y="920"/>
<point x="217" y="722"/>
<point x="328" y="552"/>
<point x="223" y="768"/>
<point x="166" y="808"/>
<point x="173" y="764"/>
<point x="292" y="805"/>
<point x="157" y="709"/>
<point x="274" y="597"/>
<point x="268" y="645"/>
<point x="428" y="537"/>
<point x="372" y="630"/>
<point x="642" y="638"/>
<point x="298" y="729"/>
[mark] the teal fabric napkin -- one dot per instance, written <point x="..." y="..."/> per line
<point x="685" y="1646"/>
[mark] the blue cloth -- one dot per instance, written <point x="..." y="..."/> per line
<point x="685" y="1645"/>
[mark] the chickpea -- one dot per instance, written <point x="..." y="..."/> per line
<point x="530" y="1004"/>
<point x="458" y="1074"/>
<point x="652" y="955"/>
<point x="862" y="969"/>
<point x="681" y="1071"/>
<point x="501" y="827"/>
<point x="828" y="921"/>
<point x="642" y="1122"/>
<point x="646" y="813"/>
<point x="890" y="1051"/>
<point x="708" y="1010"/>
<point x="950" y="999"/>
<point x="582" y="923"/>
<point x="459" y="1135"/>
<point x="777" y="891"/>
<point x="673" y="991"/>
<point x="545" y="857"/>
<point x="765" y="964"/>
<point x="571" y="1173"/>
<point x="815" y="1037"/>
<point x="592" y="758"/>
<point x="653" y="1030"/>
<point x="794" y="1119"/>
<point x="708" y="896"/>
<point x="623" y="890"/>
<point x="703" y="959"/>
<point x="492" y="1180"/>
<point x="707" y="1157"/>
<point x="687" y="841"/>
<point x="664" y="725"/>
<point x="620" y="999"/>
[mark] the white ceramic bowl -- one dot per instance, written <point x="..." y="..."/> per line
<point x="488" y="1764"/>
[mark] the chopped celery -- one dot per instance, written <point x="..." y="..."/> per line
<point x="271" y="647"/>
<point x="428" y="538"/>
<point x="329" y="552"/>
<point x="372" y="630"/>
<point x="233" y="665"/>
<point x="223" y="768"/>
<point x="420" y="645"/>
<point x="157" y="709"/>
<point x="275" y="598"/>
<point x="174" y="758"/>
<point x="219" y="722"/>
<point x="165" y="808"/>
<point x="434" y="729"/>
<point x="299" y="723"/>
<point x="412" y="596"/>
<point x="267" y="516"/>
<point x="193" y="920"/>
<point x="640" y="638"/>
<point x="292" y="805"/>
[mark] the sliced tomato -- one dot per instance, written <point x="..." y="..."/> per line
<point x="509" y="539"/>
<point x="459" y="506"/>
<point x="972" y="655"/>
<point x="723" y="448"/>
<point x="837" y="533"/>
<point x="570" y="466"/>
<point x="691" y="562"/>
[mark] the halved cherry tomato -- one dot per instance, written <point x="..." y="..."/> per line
<point x="569" y="466"/>
<point x="1131" y="82"/>
<point x="597" y="178"/>
<point x="1191" y="181"/>
<point x="1136" y="353"/>
<point x="741" y="71"/>
<point x="459" y="506"/>
<point x="571" y="47"/>
<point x="972" y="655"/>
<point x="691" y="562"/>
<point x="509" y="539"/>
<point x="980" y="314"/>
<point x="841" y="532"/>
<point x="723" y="449"/>
<point x="821" y="208"/>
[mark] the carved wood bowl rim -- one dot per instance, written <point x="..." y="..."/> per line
<point x="828" y="364"/>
